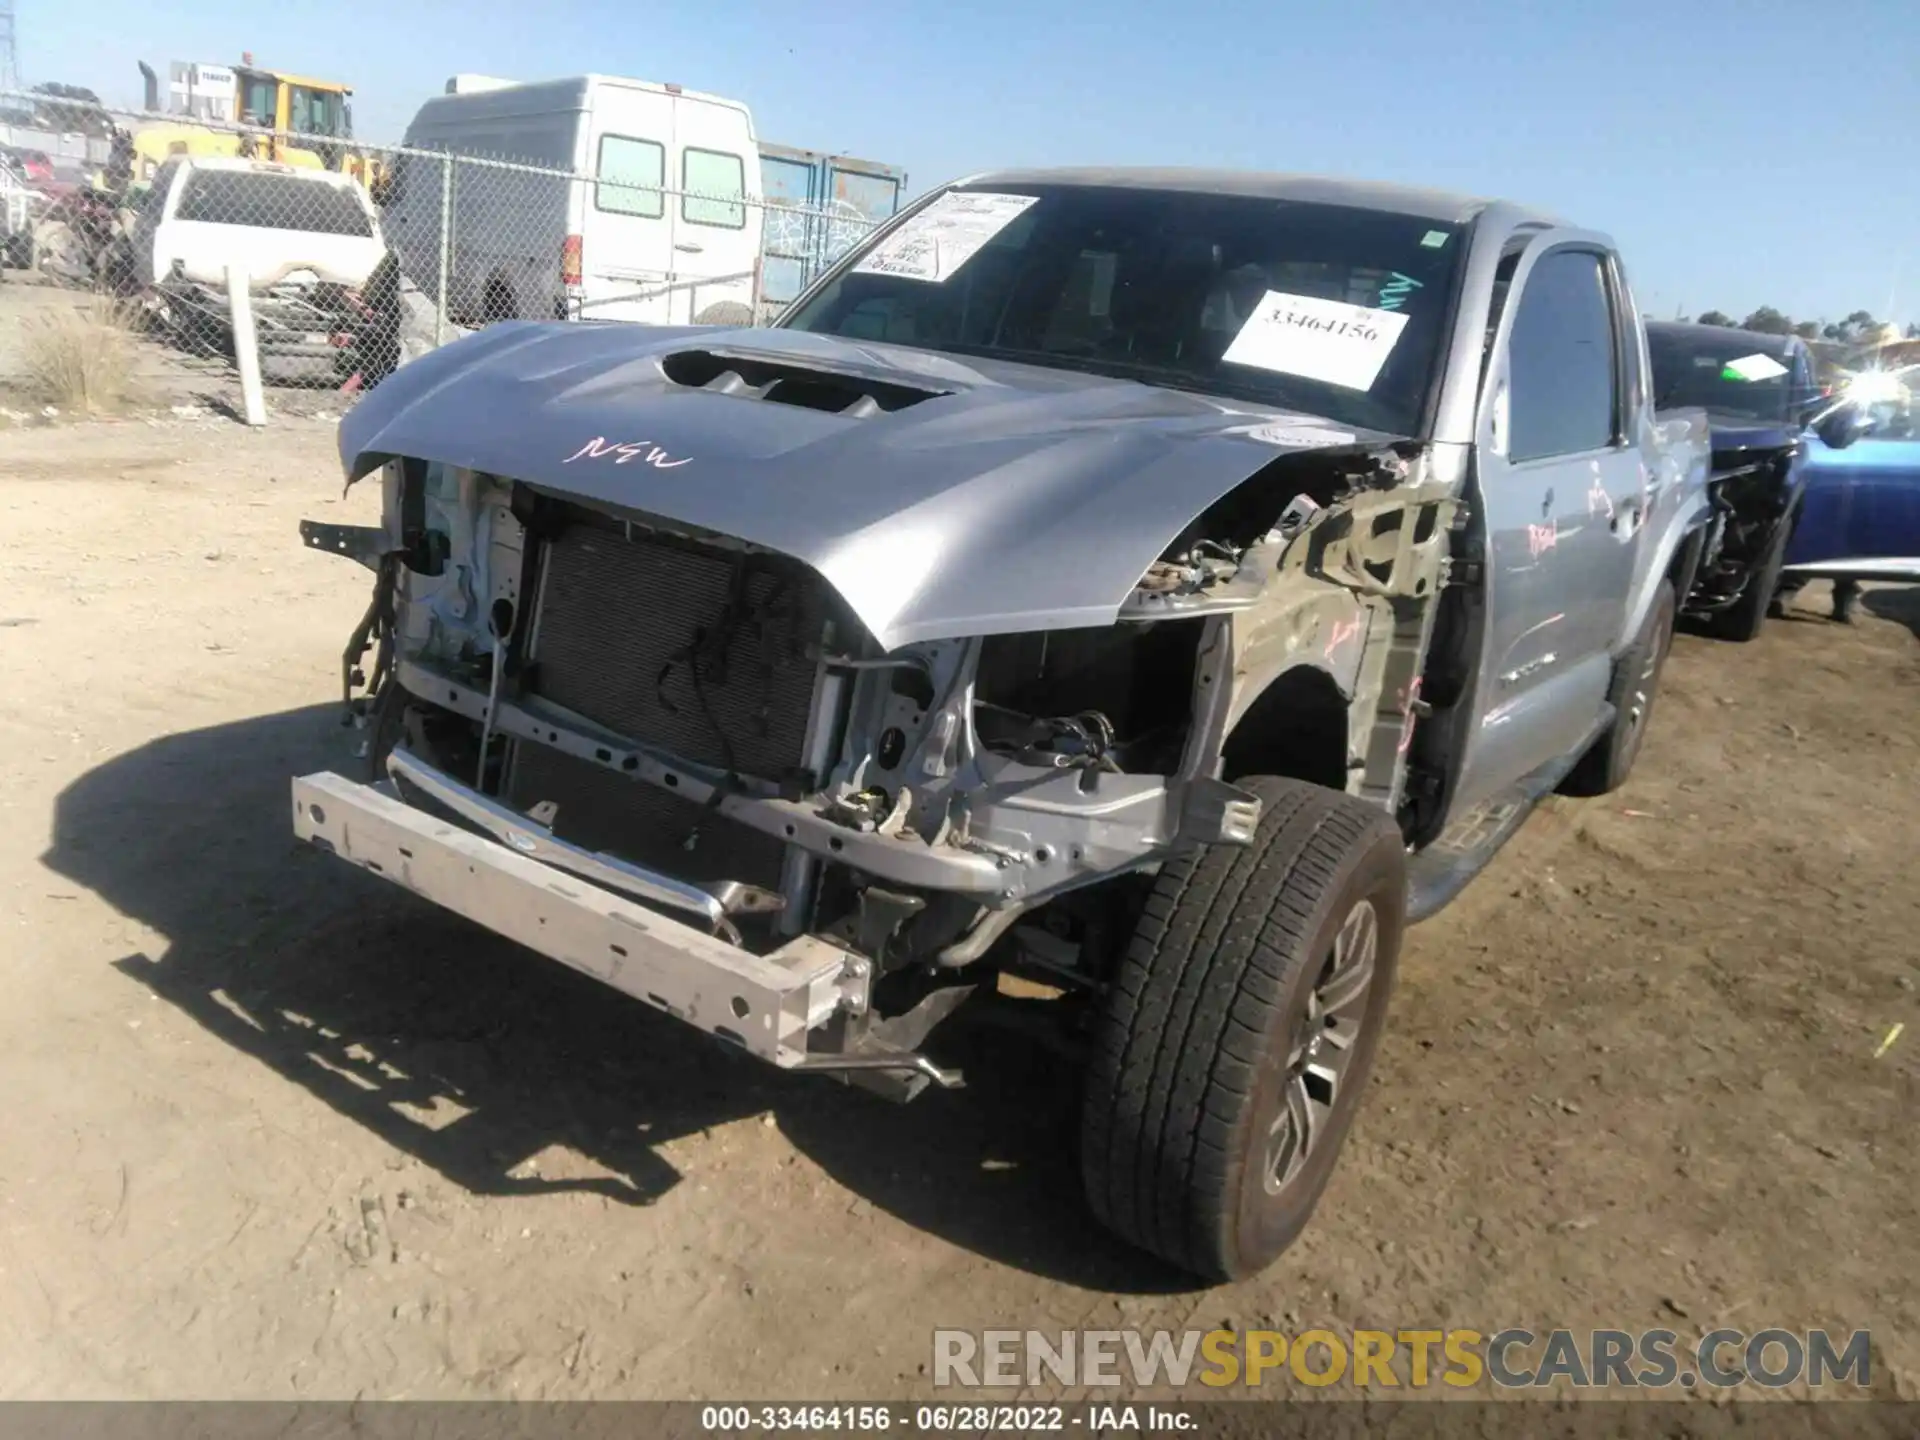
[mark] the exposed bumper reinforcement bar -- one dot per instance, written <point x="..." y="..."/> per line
<point x="764" y="1004"/>
<point x="522" y="834"/>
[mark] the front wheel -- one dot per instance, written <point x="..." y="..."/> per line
<point x="1240" y="1031"/>
<point x="1743" y="620"/>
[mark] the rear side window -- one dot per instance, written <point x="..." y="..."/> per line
<point x="630" y="173"/>
<point x="1562" y="370"/>
<point x="706" y="173"/>
<point x="267" y="200"/>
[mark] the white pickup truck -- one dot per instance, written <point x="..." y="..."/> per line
<point x="308" y="241"/>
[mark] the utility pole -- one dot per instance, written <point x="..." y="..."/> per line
<point x="9" y="50"/>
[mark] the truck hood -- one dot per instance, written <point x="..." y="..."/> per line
<point x="1739" y="434"/>
<point x="940" y="496"/>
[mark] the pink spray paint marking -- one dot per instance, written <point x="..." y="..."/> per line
<point x="1408" y="699"/>
<point x="644" y="451"/>
<point x="1598" y="499"/>
<point x="1542" y="538"/>
<point x="1343" y="631"/>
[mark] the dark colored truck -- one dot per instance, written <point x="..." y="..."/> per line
<point x="1165" y="586"/>
<point x="1762" y="402"/>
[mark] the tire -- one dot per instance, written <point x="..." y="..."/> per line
<point x="726" y="312"/>
<point x="58" y="252"/>
<point x="497" y="303"/>
<point x="299" y="369"/>
<point x="1743" y="620"/>
<point x="1204" y="1039"/>
<point x="1636" y="685"/>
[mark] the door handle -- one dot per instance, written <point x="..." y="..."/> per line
<point x="690" y="249"/>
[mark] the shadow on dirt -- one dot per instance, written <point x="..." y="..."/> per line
<point x="474" y="1055"/>
<point x="1900" y="603"/>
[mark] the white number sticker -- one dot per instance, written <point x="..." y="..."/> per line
<point x="944" y="236"/>
<point x="1755" y="367"/>
<point x="1326" y="340"/>
<point x="1297" y="437"/>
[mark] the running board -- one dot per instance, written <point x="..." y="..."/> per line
<point x="1437" y="875"/>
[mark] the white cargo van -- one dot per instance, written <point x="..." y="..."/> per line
<point x="533" y="242"/>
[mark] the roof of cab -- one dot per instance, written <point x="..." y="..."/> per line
<point x="1756" y="341"/>
<point x="241" y="163"/>
<point x="1443" y="206"/>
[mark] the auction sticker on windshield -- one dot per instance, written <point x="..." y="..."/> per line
<point x="1326" y="340"/>
<point x="944" y="236"/>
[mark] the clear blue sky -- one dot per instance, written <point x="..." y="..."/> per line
<point x="1742" y="152"/>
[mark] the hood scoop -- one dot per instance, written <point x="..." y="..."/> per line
<point x="853" y="396"/>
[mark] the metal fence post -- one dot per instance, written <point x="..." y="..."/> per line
<point x="446" y="250"/>
<point x="246" y="344"/>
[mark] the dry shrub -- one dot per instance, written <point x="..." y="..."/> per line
<point x="84" y="359"/>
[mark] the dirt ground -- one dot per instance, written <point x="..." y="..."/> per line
<point x="274" y="1129"/>
<point x="168" y="383"/>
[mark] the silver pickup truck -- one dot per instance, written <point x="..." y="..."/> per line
<point x="1159" y="586"/>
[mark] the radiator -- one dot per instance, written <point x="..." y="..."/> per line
<point x="618" y="639"/>
<point x="605" y="810"/>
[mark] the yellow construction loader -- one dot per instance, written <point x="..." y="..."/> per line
<point x="293" y="119"/>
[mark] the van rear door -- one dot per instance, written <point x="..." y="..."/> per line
<point x="626" y="239"/>
<point x="718" y="220"/>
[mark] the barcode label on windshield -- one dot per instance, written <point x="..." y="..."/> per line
<point x="1327" y="340"/>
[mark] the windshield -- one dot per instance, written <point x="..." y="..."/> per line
<point x="1740" y="376"/>
<point x="1333" y="311"/>
<point x="315" y="112"/>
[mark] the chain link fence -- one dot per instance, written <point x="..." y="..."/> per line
<point x="360" y="257"/>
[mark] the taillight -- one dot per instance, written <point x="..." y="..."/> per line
<point x="570" y="260"/>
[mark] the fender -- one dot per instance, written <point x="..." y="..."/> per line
<point x="1687" y="522"/>
<point x="1681" y="446"/>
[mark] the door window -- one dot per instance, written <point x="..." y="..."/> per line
<point x="709" y="173"/>
<point x="256" y="106"/>
<point x="629" y="175"/>
<point x="1806" y="389"/>
<point x="315" y="112"/>
<point x="1562" y="372"/>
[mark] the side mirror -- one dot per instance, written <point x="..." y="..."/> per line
<point x="1840" y="426"/>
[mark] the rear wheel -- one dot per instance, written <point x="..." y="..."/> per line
<point x="1636" y="683"/>
<point x="726" y="312"/>
<point x="1240" y="1031"/>
<point x="497" y="302"/>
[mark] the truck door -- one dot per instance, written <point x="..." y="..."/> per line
<point x="790" y="182"/>
<point x="860" y="197"/>
<point x="1555" y="449"/>
<point x="626" y="239"/>
<point x="717" y="222"/>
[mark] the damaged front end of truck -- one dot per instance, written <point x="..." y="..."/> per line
<point x="801" y="690"/>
